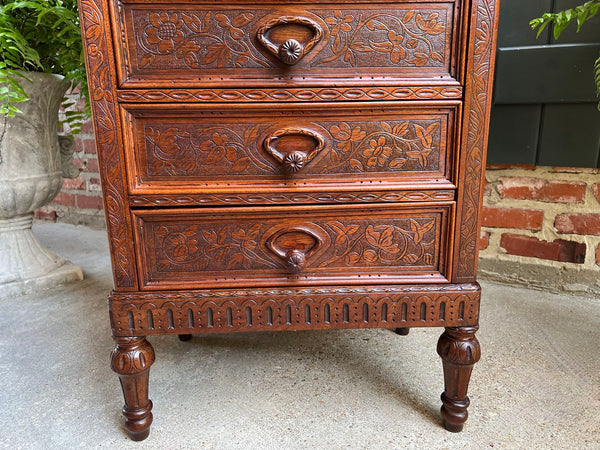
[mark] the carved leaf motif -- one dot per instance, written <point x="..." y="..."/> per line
<point x="436" y="56"/>
<point x="401" y="129"/>
<point x="397" y="163"/>
<point x="426" y="139"/>
<point x="419" y="60"/>
<point x="352" y="258"/>
<point x="192" y="22"/>
<point x="370" y="256"/>
<point x="210" y="236"/>
<point x="190" y="231"/>
<point x="360" y="47"/>
<point x="235" y="261"/>
<point x="216" y="52"/>
<point x="241" y="165"/>
<point x="241" y="61"/>
<point x="381" y="46"/>
<point x="350" y="58"/>
<point x="419" y="156"/>
<point x="163" y="265"/>
<point x="222" y="20"/>
<point x="253" y="232"/>
<point x="206" y="22"/>
<point x="231" y="154"/>
<point x="411" y="258"/>
<point x="420" y="230"/>
<point x="242" y="20"/>
<point x="343" y="232"/>
<point x="215" y="155"/>
<point x="251" y="133"/>
<point x="357" y="165"/>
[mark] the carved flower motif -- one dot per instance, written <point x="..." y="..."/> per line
<point x="378" y="153"/>
<point x="430" y="25"/>
<point x="339" y="22"/>
<point x="397" y="52"/>
<point x="166" y="141"/>
<point x="218" y="147"/>
<point x="181" y="246"/>
<point x="165" y="31"/>
<point x="347" y="136"/>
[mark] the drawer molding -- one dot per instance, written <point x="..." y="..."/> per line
<point x="292" y="198"/>
<point x="282" y="94"/>
<point x="214" y="311"/>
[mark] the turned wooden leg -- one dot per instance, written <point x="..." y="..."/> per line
<point x="402" y="331"/>
<point x="459" y="350"/>
<point x="131" y="359"/>
<point x="184" y="337"/>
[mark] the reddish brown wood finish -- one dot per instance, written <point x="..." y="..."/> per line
<point x="131" y="359"/>
<point x="289" y="166"/>
<point x="336" y="145"/>
<point x="459" y="350"/>
<point x="204" y="248"/>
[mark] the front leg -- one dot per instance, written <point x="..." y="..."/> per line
<point x="131" y="359"/>
<point x="459" y="350"/>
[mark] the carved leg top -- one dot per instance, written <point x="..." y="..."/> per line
<point x="131" y="355"/>
<point x="131" y="359"/>
<point x="459" y="346"/>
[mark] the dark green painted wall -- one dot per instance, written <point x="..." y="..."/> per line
<point x="545" y="107"/>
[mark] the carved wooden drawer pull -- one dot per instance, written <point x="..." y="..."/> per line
<point x="295" y="159"/>
<point x="294" y="245"/>
<point x="289" y="50"/>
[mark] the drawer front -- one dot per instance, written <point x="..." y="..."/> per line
<point x="280" y="246"/>
<point x="281" y="147"/>
<point x="204" y="43"/>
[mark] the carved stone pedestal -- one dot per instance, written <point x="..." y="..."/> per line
<point x="25" y="264"/>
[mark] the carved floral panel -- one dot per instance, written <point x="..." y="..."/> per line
<point x="235" y="148"/>
<point x="205" y="248"/>
<point x="406" y="36"/>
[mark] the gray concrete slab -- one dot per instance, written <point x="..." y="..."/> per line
<point x="536" y="387"/>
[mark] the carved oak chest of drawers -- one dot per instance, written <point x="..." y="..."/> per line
<point x="280" y="165"/>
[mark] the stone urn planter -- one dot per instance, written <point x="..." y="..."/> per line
<point x="31" y="172"/>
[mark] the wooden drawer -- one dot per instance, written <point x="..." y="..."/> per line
<point x="195" y="44"/>
<point x="251" y="148"/>
<point x="280" y="246"/>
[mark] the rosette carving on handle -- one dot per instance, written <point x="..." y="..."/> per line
<point x="289" y="51"/>
<point x="295" y="160"/>
<point x="295" y="260"/>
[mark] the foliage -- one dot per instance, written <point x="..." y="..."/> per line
<point x="562" y="19"/>
<point x="42" y="36"/>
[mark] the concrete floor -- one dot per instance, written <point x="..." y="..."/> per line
<point x="537" y="385"/>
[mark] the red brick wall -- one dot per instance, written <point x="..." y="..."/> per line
<point x="546" y="215"/>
